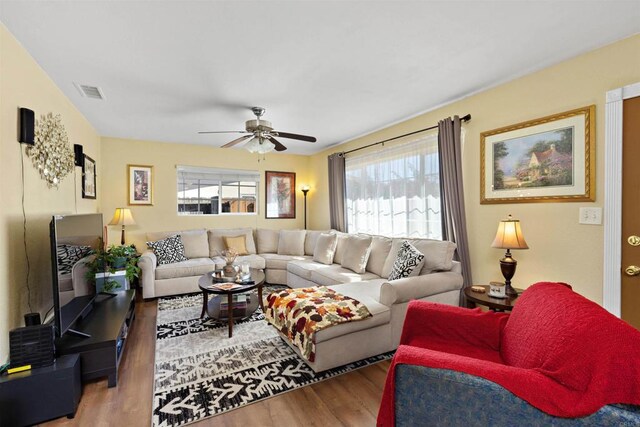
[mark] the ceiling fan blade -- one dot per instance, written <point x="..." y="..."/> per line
<point x="278" y="144"/>
<point x="237" y="141"/>
<point x="296" y="136"/>
<point x="224" y="131"/>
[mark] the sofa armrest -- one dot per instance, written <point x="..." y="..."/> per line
<point x="148" y="263"/>
<point x="429" y="324"/>
<point x="410" y="288"/>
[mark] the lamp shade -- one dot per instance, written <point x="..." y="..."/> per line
<point x="122" y="216"/>
<point x="509" y="235"/>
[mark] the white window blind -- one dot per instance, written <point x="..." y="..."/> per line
<point x="215" y="191"/>
<point x="395" y="191"/>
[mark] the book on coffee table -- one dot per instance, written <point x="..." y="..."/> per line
<point x="225" y="286"/>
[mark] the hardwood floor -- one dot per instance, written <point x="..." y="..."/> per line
<point x="348" y="400"/>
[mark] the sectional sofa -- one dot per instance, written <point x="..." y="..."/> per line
<point x="287" y="257"/>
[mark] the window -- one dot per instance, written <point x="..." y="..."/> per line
<point x="213" y="191"/>
<point x="395" y="192"/>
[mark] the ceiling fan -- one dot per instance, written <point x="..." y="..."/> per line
<point x="261" y="135"/>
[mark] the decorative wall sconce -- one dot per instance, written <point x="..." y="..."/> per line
<point x="51" y="154"/>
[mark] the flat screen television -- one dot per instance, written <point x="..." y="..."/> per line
<point x="74" y="240"/>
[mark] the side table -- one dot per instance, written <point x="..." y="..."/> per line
<point x="41" y="394"/>
<point x="496" y="304"/>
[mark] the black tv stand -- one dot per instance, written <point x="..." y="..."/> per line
<point x="107" y="326"/>
<point x="78" y="333"/>
<point x="108" y="294"/>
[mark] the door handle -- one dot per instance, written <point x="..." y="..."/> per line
<point x="632" y="270"/>
<point x="633" y="240"/>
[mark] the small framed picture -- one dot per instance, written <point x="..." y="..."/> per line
<point x="280" y="194"/>
<point x="550" y="159"/>
<point x="140" y="182"/>
<point x="88" y="178"/>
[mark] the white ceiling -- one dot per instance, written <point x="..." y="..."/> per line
<point x="334" y="70"/>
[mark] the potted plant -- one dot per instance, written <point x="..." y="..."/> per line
<point x="115" y="258"/>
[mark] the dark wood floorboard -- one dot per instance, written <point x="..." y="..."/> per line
<point x="348" y="400"/>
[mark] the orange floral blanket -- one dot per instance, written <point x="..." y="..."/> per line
<point x="300" y="313"/>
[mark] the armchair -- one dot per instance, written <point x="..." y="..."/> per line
<point x="557" y="359"/>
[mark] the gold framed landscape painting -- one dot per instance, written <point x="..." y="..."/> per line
<point x="551" y="159"/>
<point x="140" y="183"/>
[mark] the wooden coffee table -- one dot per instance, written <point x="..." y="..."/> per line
<point x="212" y="307"/>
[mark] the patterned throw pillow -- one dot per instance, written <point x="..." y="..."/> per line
<point x="409" y="260"/>
<point x="68" y="255"/>
<point x="168" y="250"/>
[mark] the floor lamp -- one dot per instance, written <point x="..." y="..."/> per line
<point x="305" y="190"/>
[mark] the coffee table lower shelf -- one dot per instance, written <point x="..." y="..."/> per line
<point x="212" y="306"/>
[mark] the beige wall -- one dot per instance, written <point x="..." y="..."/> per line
<point x="24" y="84"/>
<point x="162" y="216"/>
<point x="560" y="248"/>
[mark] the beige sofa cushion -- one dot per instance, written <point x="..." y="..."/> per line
<point x="267" y="240"/>
<point x="340" y="246"/>
<point x="367" y="294"/>
<point x="310" y="241"/>
<point x="159" y="235"/>
<point x="325" y="248"/>
<point x="291" y="242"/>
<point x="190" y="267"/>
<point x="336" y="274"/>
<point x="304" y="268"/>
<point x="380" y="248"/>
<point x="279" y="262"/>
<point x="356" y="253"/>
<point x="216" y="244"/>
<point x="195" y="242"/>
<point x="438" y="255"/>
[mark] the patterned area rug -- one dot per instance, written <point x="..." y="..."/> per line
<point x="201" y="372"/>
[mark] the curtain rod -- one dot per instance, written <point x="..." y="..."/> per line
<point x="462" y="119"/>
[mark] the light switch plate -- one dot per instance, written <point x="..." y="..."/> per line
<point x="592" y="216"/>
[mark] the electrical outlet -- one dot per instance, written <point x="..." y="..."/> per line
<point x="592" y="216"/>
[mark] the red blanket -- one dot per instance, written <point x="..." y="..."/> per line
<point x="560" y="352"/>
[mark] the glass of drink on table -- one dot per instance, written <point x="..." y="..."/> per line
<point x="245" y="268"/>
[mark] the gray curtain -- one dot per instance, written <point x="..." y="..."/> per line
<point x="454" y="224"/>
<point x="337" y="192"/>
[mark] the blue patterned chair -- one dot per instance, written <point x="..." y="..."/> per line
<point x="441" y="397"/>
<point x="557" y="359"/>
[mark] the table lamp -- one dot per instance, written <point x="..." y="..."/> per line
<point x="509" y="236"/>
<point x="122" y="217"/>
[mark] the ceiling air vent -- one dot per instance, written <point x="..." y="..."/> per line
<point x="88" y="91"/>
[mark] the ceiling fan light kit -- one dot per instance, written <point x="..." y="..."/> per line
<point x="261" y="135"/>
<point x="259" y="145"/>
